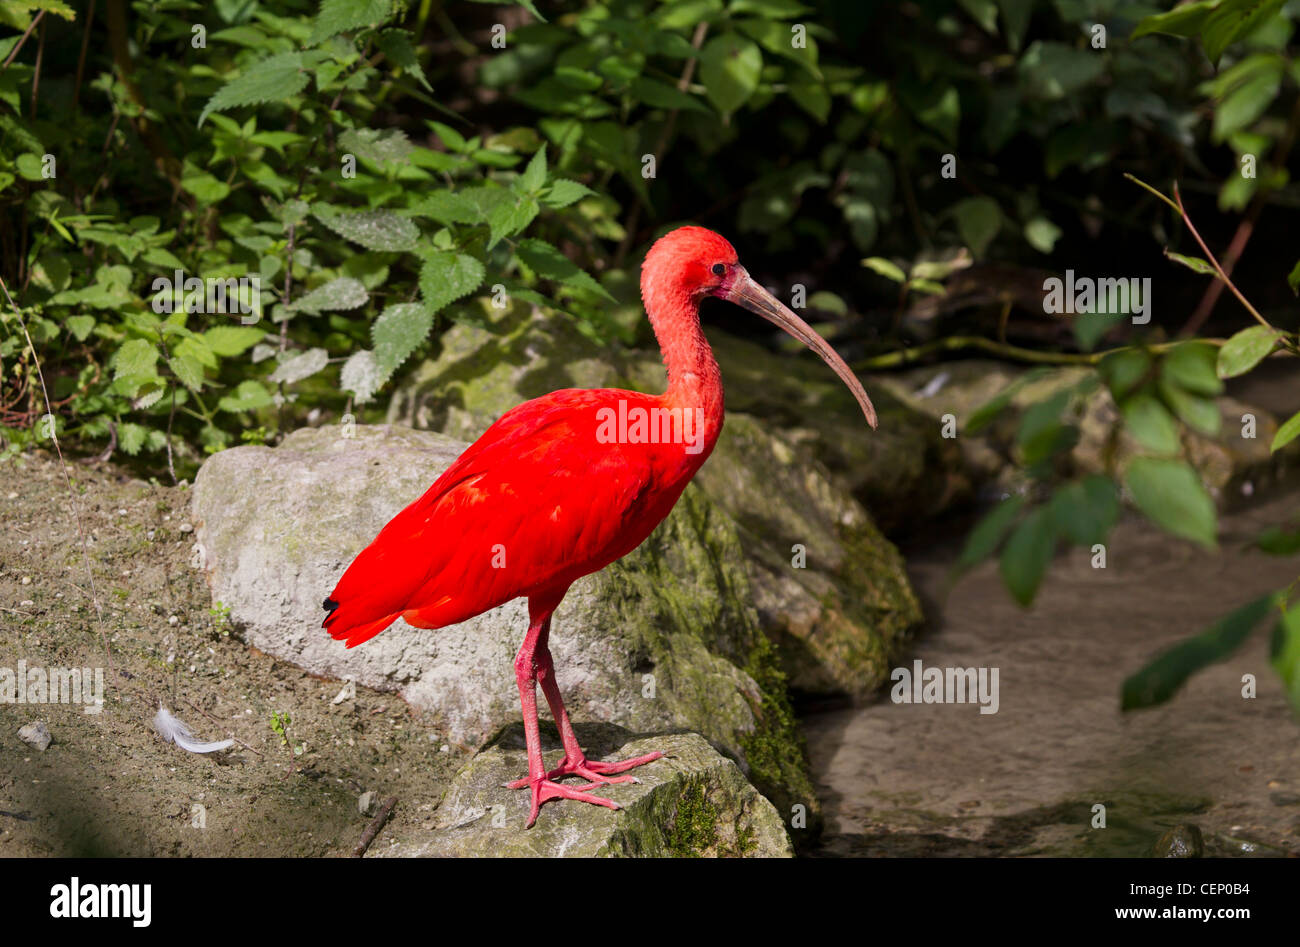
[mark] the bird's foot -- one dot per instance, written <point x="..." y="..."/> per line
<point x="544" y="790"/>
<point x="597" y="772"/>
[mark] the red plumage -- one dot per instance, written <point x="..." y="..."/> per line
<point x="558" y="488"/>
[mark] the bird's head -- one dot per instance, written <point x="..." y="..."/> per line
<point x="696" y="262"/>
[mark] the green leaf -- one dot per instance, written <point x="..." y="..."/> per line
<point x="1230" y="21"/>
<point x="885" y="268"/>
<point x="1041" y="433"/>
<point x="1053" y="70"/>
<point x="337" y="295"/>
<point x="1197" y="411"/>
<point x="1172" y="496"/>
<point x="398" y="332"/>
<point x="1286" y="433"/>
<point x="295" y="368"/>
<point x="661" y="95"/>
<point x="1245" y="350"/>
<point x="1193" y="263"/>
<point x="1191" y="366"/>
<point x="1162" y="678"/>
<point x="274" y="79"/>
<point x="1090" y="327"/>
<point x="1293" y="278"/>
<point x="131" y="437"/>
<point x="188" y="369"/>
<point x="341" y="16"/>
<point x="1248" y="100"/>
<point x="1085" y="511"/>
<point x="1027" y="554"/>
<point x="564" y="192"/>
<point x="135" y="357"/>
<point x="80" y="326"/>
<point x="1150" y="423"/>
<point x="228" y="341"/>
<point x="247" y="396"/>
<point x="1285" y="654"/>
<point x="984" y="539"/>
<point x="1124" y="370"/>
<point x="549" y="263"/>
<point x="978" y="221"/>
<point x="534" y="175"/>
<point x="453" y="207"/>
<point x="509" y="218"/>
<point x="372" y="229"/>
<point x="1184" y="20"/>
<point x="446" y="276"/>
<point x="1015" y="20"/>
<point x="1042" y="234"/>
<point x="361" y="375"/>
<point x="730" y="67"/>
<point x="397" y="49"/>
<point x="389" y="146"/>
<point x="1277" y="541"/>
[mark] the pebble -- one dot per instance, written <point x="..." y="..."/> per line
<point x="36" y="734"/>
<point x="348" y="692"/>
<point x="1182" y="841"/>
<point x="186" y="528"/>
<point x="27" y="580"/>
<point x="366" y="802"/>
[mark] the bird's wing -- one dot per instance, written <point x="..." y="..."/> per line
<point x="534" y="503"/>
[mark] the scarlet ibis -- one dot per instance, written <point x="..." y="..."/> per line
<point x="560" y="487"/>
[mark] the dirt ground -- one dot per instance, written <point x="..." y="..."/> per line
<point x="944" y="779"/>
<point x="108" y="785"/>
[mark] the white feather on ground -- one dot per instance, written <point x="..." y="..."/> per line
<point x="174" y="730"/>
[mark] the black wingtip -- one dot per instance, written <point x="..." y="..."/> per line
<point x="329" y="605"/>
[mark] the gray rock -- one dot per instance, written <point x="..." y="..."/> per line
<point x="1182" y="841"/>
<point x="36" y="734"/>
<point x="667" y="638"/>
<point x="694" y="802"/>
<point x="832" y="593"/>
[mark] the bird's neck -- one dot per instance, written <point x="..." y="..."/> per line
<point x="694" y="381"/>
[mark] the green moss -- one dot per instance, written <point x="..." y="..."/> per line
<point x="694" y="832"/>
<point x="775" y="751"/>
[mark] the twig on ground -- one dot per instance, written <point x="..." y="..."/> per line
<point x="375" y="825"/>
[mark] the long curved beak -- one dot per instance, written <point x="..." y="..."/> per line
<point x="745" y="292"/>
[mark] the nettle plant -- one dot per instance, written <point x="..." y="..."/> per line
<point x="346" y="239"/>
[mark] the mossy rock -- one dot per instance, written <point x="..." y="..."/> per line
<point x="693" y="803"/>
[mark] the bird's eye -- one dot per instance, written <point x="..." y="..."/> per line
<point x="719" y="269"/>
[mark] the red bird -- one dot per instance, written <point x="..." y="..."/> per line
<point x="559" y="488"/>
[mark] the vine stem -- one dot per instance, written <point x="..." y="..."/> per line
<point x="903" y="357"/>
<point x="1215" y="263"/>
<point x="1177" y="205"/>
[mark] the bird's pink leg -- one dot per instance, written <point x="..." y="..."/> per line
<point x="544" y="788"/>
<point x="575" y="762"/>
